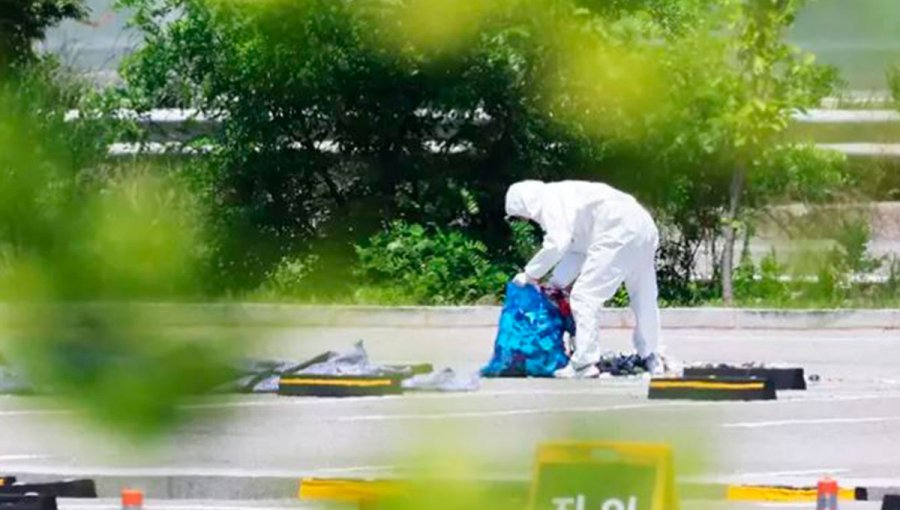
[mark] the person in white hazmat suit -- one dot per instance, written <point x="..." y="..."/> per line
<point x="597" y="237"/>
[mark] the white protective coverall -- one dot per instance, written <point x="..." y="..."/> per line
<point x="598" y="237"/>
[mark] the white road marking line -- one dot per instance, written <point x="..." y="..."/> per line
<point x="508" y="413"/>
<point x="273" y="401"/>
<point x="412" y="398"/>
<point x="4" y="458"/>
<point x="592" y="409"/>
<point x="34" y="412"/>
<point x="155" y="471"/>
<point x="817" y="421"/>
<point x="803" y="399"/>
<point x="776" y="474"/>
<point x="353" y="469"/>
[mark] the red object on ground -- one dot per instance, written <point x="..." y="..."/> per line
<point x="132" y="499"/>
<point x="827" y="495"/>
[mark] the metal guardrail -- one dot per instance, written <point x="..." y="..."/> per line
<point x="175" y="126"/>
<point x="891" y="150"/>
<point x="813" y="116"/>
<point x="821" y="116"/>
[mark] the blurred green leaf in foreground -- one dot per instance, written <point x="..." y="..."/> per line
<point x="80" y="260"/>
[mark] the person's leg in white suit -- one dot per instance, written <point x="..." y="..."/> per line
<point x="622" y="252"/>
<point x="605" y="268"/>
<point x="642" y="296"/>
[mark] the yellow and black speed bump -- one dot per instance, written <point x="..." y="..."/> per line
<point x="707" y="388"/>
<point x="890" y="502"/>
<point x="338" y="386"/>
<point x="368" y="493"/>
<point x="7" y="480"/>
<point x="782" y="378"/>
<point x="785" y="494"/>
<point x="348" y="490"/>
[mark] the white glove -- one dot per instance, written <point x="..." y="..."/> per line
<point x="523" y="279"/>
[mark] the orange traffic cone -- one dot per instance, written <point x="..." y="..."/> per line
<point x="827" y="496"/>
<point x="132" y="499"/>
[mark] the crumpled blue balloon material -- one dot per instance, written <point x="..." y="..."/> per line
<point x="529" y="339"/>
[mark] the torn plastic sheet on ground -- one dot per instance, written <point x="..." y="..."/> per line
<point x="263" y="376"/>
<point x="443" y="380"/>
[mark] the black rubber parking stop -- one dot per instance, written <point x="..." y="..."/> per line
<point x="890" y="502"/>
<point x="27" y="502"/>
<point x="66" y="489"/>
<point x="783" y="378"/>
<point x="338" y="386"/>
<point x="708" y="388"/>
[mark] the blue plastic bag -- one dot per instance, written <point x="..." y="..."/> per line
<point x="529" y="339"/>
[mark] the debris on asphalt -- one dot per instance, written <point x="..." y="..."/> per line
<point x="443" y="380"/>
<point x="621" y="364"/>
<point x="264" y="376"/>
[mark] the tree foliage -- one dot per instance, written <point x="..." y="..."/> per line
<point x="894" y="83"/>
<point x="23" y="22"/>
<point x="431" y="265"/>
<point x="340" y="115"/>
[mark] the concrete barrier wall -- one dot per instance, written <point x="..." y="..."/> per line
<point x="289" y="315"/>
<point x="285" y="315"/>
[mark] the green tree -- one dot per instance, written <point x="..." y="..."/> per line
<point x="894" y="83"/>
<point x="712" y="144"/>
<point x="774" y="80"/>
<point x="697" y="132"/>
<point x="341" y="115"/>
<point x="72" y="237"/>
<point x="329" y="129"/>
<point x="22" y="22"/>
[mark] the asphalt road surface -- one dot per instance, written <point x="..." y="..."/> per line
<point x="847" y="424"/>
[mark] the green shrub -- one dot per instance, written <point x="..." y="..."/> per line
<point x="525" y="241"/>
<point x="850" y="256"/>
<point x="289" y="279"/>
<point x="25" y="22"/>
<point x="430" y="265"/>
<point x="894" y="82"/>
<point x="764" y="284"/>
